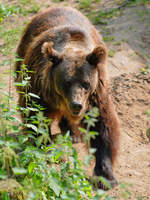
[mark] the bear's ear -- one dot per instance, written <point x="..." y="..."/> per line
<point x="48" y="51"/>
<point x="98" y="55"/>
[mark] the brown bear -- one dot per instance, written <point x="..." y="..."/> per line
<point x="67" y="56"/>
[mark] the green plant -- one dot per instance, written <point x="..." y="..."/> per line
<point x="9" y="124"/>
<point x="85" y="3"/>
<point x="43" y="172"/>
<point x="10" y="37"/>
<point x="136" y="2"/>
<point x="6" y="11"/>
<point x="101" y="17"/>
<point x="108" y="38"/>
<point x="54" y="177"/>
<point x="111" y="53"/>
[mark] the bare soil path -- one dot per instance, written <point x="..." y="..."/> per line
<point x="128" y="40"/>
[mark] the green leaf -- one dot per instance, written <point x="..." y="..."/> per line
<point x="93" y="133"/>
<point x="34" y="95"/>
<point x="19" y="171"/>
<point x="18" y="59"/>
<point x="3" y="174"/>
<point x="15" y="128"/>
<point x="87" y="117"/>
<point x="5" y="196"/>
<point x="13" y="144"/>
<point x="83" y="130"/>
<point x="32" y="109"/>
<point x="44" y="196"/>
<point x="20" y="92"/>
<point x="54" y="185"/>
<point x="23" y="138"/>
<point x="92" y="150"/>
<point x="19" y="84"/>
<point x="33" y="127"/>
<point x="31" y="166"/>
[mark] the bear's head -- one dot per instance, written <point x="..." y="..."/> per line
<point x="75" y="75"/>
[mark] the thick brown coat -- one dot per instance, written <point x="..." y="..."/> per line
<point x="65" y="34"/>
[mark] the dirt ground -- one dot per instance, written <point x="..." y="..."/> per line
<point x="131" y="91"/>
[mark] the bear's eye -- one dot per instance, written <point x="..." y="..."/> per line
<point x="86" y="85"/>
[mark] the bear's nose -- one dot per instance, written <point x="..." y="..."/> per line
<point x="76" y="107"/>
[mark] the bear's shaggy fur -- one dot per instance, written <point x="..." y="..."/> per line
<point x="68" y="58"/>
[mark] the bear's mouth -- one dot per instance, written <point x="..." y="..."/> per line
<point x="76" y="113"/>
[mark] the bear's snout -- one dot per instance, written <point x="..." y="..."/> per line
<point x="76" y="107"/>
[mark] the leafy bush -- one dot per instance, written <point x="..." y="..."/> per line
<point x="43" y="172"/>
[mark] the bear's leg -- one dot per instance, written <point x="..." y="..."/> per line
<point x="107" y="142"/>
<point x="103" y="155"/>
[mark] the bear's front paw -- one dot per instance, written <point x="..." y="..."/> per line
<point x="104" y="170"/>
<point x="106" y="184"/>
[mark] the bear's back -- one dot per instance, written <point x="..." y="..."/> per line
<point x="56" y="17"/>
